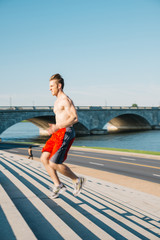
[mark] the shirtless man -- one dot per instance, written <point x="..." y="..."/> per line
<point x="56" y="148"/>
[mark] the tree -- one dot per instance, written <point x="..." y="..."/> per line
<point x="134" y="105"/>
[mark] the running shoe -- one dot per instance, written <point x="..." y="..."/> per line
<point x="57" y="190"/>
<point x="78" y="186"/>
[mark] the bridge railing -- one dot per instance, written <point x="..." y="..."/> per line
<point x="112" y="107"/>
<point x="77" y="107"/>
<point x="26" y="107"/>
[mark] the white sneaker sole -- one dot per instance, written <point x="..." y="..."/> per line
<point x="83" y="183"/>
<point x="62" y="190"/>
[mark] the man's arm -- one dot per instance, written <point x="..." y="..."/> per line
<point x="72" y="117"/>
<point x="71" y="112"/>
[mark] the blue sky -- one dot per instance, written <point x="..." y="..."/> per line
<point x="108" y="51"/>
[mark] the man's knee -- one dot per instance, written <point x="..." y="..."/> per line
<point x="44" y="158"/>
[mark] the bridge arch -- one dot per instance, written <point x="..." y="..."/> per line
<point x="39" y="119"/>
<point x="42" y="123"/>
<point x="127" y="122"/>
<point x="11" y="118"/>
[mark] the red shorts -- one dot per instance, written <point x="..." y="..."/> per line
<point x="59" y="144"/>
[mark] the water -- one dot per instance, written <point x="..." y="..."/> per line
<point x="146" y="140"/>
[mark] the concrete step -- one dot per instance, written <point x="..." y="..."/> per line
<point x="102" y="211"/>
<point x="29" y="198"/>
<point x="19" y="227"/>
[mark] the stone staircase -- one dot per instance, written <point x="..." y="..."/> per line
<point x="102" y="211"/>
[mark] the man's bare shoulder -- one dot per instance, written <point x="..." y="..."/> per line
<point x="65" y="100"/>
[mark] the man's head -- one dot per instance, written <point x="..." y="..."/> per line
<point x="56" y="84"/>
<point x="58" y="78"/>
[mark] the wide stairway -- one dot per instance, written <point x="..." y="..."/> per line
<point x="102" y="211"/>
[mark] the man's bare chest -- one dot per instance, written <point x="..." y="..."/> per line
<point x="58" y="109"/>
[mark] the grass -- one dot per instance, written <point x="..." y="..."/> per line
<point x="22" y="143"/>
<point x="101" y="148"/>
<point x="123" y="150"/>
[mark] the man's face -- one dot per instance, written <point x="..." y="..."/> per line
<point x="53" y="86"/>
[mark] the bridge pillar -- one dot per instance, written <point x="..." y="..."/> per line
<point x="155" y="119"/>
<point x="98" y="131"/>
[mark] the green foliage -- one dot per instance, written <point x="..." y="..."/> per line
<point x="134" y="105"/>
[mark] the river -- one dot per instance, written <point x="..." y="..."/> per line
<point x="144" y="140"/>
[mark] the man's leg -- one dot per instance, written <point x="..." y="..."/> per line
<point x="78" y="181"/>
<point x="51" y="171"/>
<point x="65" y="170"/>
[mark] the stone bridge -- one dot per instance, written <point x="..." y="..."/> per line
<point x="92" y="120"/>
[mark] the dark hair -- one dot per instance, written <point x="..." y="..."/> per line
<point x="59" y="79"/>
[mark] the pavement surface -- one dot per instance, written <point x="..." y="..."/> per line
<point x="103" y="210"/>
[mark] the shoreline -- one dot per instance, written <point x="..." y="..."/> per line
<point x="117" y="152"/>
<point x="100" y="149"/>
<point x="123" y="150"/>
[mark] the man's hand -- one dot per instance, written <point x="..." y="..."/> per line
<point x="52" y="128"/>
